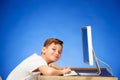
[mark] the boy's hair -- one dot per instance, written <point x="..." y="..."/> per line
<point x="52" y="40"/>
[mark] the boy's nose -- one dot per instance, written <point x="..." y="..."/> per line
<point x="56" y="53"/>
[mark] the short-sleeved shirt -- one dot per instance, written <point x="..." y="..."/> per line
<point x="24" y="70"/>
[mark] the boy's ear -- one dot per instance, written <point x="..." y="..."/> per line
<point x="43" y="49"/>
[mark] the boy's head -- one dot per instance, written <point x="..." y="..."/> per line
<point x="52" y="40"/>
<point x="52" y="50"/>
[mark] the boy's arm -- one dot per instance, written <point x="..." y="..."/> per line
<point x="56" y="67"/>
<point x="46" y="70"/>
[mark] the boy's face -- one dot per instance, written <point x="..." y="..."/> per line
<point x="52" y="53"/>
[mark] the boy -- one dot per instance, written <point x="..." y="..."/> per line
<point x="36" y="65"/>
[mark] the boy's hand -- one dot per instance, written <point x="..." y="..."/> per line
<point x="66" y="70"/>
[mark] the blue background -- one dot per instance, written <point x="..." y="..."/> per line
<point x="26" y="24"/>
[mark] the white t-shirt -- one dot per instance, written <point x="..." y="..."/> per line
<point x="24" y="70"/>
